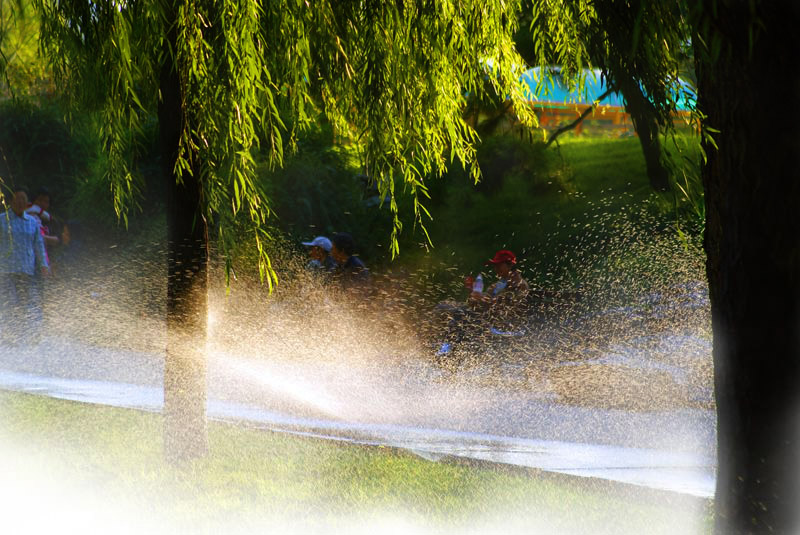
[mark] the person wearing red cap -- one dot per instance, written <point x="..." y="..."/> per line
<point x="501" y="307"/>
<point x="508" y="293"/>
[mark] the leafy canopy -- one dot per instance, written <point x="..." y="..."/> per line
<point x="21" y="70"/>
<point x="390" y="75"/>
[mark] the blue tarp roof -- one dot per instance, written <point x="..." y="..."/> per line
<point x="556" y="90"/>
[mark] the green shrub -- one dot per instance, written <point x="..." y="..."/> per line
<point x="507" y="156"/>
<point x="38" y="150"/>
<point x="319" y="192"/>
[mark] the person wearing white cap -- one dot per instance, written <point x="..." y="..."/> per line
<point x="319" y="250"/>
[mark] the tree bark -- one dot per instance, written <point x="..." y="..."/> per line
<point x="753" y="259"/>
<point x="185" y="433"/>
<point x="646" y="125"/>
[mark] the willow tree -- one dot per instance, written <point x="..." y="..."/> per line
<point x="21" y="69"/>
<point x="220" y="75"/>
<point x="638" y="46"/>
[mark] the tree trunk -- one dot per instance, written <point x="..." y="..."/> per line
<point x="185" y="433"/>
<point x="646" y="125"/>
<point x="753" y="250"/>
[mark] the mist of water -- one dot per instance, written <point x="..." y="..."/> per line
<point x="638" y="343"/>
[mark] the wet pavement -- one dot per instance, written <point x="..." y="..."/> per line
<point x="408" y="406"/>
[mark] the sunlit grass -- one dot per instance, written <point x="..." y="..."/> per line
<point x="574" y="197"/>
<point x="253" y="478"/>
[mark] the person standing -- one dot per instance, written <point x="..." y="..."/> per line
<point x="22" y="254"/>
<point x="39" y="209"/>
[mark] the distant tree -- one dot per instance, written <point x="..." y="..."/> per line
<point x="638" y="46"/>
<point x="222" y="75"/>
<point x="645" y="70"/>
<point x="747" y="83"/>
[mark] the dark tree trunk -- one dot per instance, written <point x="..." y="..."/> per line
<point x="645" y="122"/>
<point x="185" y="434"/>
<point x="753" y="247"/>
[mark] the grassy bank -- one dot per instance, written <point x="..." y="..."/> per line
<point x="580" y="214"/>
<point x="88" y="467"/>
<point x="582" y="187"/>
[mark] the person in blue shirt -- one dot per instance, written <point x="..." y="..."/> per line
<point x="351" y="271"/>
<point x="22" y="255"/>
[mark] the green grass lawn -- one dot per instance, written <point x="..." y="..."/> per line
<point x="106" y="464"/>
<point x="581" y="205"/>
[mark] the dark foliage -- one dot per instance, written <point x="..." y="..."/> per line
<point x="37" y="149"/>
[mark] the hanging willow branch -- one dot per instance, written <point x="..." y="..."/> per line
<point x="393" y="75"/>
<point x="577" y="121"/>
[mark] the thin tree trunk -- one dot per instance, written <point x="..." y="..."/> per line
<point x="644" y="122"/>
<point x="753" y="250"/>
<point x="185" y="434"/>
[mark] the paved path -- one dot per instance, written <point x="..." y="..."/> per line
<point x="406" y="406"/>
